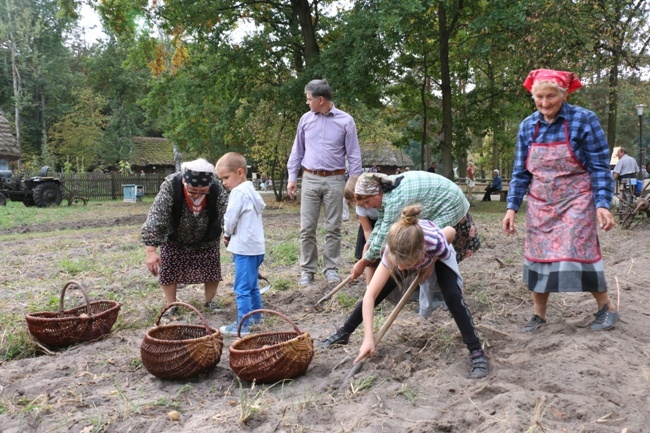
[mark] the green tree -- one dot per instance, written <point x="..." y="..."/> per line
<point x="32" y="35"/>
<point x="78" y="133"/>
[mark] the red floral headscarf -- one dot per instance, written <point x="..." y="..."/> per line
<point x="566" y="80"/>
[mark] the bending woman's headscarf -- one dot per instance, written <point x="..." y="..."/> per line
<point x="198" y="172"/>
<point x="374" y="183"/>
<point x="566" y="80"/>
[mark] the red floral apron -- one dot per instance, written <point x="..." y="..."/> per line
<point x="561" y="214"/>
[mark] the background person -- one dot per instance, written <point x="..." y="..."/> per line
<point x="626" y="167"/>
<point x="420" y="245"/>
<point x="243" y="235"/>
<point x="326" y="137"/>
<point x="433" y="167"/>
<point x="562" y="159"/>
<point x="495" y="185"/>
<point x="185" y="221"/>
<point x="470" y="178"/>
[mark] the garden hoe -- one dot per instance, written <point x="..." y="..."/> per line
<point x="393" y="315"/>
<point x="332" y="292"/>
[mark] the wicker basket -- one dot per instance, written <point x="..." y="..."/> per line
<point x="66" y="327"/>
<point x="180" y="351"/>
<point x="272" y="356"/>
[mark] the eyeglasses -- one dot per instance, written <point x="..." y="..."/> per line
<point x="192" y="191"/>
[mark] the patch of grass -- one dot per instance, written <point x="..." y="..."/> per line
<point x="282" y="284"/>
<point x="15" y="341"/>
<point x="75" y="267"/>
<point x="444" y="340"/>
<point x="167" y="403"/>
<point x="358" y="385"/>
<point x="285" y="253"/>
<point x="409" y="393"/>
<point x="346" y="300"/>
<point x="18" y="214"/>
<point x="34" y="406"/>
<point x="135" y="364"/>
<point x="250" y="402"/>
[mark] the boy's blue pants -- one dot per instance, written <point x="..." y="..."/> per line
<point x="247" y="292"/>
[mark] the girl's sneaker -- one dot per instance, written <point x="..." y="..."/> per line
<point x="480" y="364"/>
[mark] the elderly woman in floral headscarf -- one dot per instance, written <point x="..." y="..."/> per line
<point x="562" y="160"/>
<point x="185" y="221"/>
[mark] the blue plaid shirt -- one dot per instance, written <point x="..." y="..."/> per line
<point x="587" y="141"/>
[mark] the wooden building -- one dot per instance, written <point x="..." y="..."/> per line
<point x="154" y="155"/>
<point x="9" y="146"/>
<point x="387" y="157"/>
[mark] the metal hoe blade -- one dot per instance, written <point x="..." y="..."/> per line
<point x="393" y="315"/>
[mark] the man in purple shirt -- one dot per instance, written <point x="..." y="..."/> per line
<point x="325" y="138"/>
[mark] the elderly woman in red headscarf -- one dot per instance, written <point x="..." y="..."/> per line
<point x="562" y="160"/>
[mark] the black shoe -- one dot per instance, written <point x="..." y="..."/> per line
<point x="533" y="324"/>
<point x="340" y="337"/>
<point x="480" y="364"/>
<point x="604" y="320"/>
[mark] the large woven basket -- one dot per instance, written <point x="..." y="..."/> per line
<point x="82" y="323"/>
<point x="272" y="356"/>
<point x="180" y="351"/>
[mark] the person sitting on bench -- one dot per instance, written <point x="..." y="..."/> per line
<point x="496" y="185"/>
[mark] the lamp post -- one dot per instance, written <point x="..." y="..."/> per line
<point x="639" y="111"/>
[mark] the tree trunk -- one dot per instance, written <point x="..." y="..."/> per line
<point x="302" y="11"/>
<point x="445" y="141"/>
<point x="17" y="84"/>
<point x="612" y="106"/>
<point x="425" y="150"/>
<point x="495" y="122"/>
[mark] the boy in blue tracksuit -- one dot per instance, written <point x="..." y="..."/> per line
<point x="243" y="236"/>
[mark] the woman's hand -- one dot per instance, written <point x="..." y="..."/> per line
<point x="367" y="348"/>
<point x="358" y="268"/>
<point x="153" y="262"/>
<point x="509" y="222"/>
<point x="605" y="219"/>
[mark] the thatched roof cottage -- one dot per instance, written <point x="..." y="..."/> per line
<point x="9" y="146"/>
<point x="153" y="155"/>
<point x="387" y="157"/>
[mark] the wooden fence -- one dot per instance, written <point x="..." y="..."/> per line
<point x="100" y="186"/>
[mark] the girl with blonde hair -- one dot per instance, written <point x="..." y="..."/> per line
<point x="419" y="245"/>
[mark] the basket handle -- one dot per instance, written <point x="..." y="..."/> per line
<point x="83" y="290"/>
<point x="247" y="315"/>
<point x="183" y="304"/>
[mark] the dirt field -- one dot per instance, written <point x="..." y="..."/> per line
<point x="565" y="378"/>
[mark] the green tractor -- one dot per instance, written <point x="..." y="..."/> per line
<point x="41" y="190"/>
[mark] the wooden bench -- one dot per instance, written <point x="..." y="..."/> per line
<point x="480" y="184"/>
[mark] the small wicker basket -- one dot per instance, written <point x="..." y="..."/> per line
<point x="180" y="351"/>
<point x="272" y="356"/>
<point x="67" y="327"/>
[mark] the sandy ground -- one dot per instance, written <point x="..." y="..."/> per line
<point x="564" y="378"/>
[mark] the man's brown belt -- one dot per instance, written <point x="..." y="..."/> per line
<point x="324" y="173"/>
